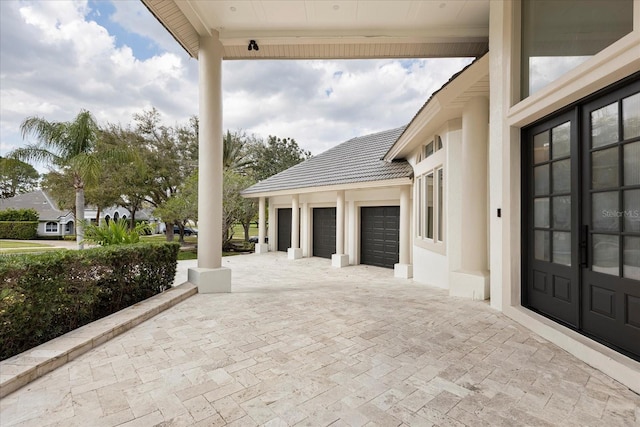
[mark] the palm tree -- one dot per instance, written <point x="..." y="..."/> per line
<point x="66" y="145"/>
<point x="234" y="155"/>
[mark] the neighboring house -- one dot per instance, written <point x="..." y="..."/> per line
<point x="118" y="212"/>
<point x="58" y="222"/>
<point x="533" y="199"/>
<point x="53" y="222"/>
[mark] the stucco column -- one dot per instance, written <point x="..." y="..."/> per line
<point x="209" y="275"/>
<point x="261" y="247"/>
<point x="294" y="251"/>
<point x="472" y="280"/>
<point x="339" y="259"/>
<point x="404" y="269"/>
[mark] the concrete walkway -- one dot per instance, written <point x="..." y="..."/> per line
<point x="301" y="343"/>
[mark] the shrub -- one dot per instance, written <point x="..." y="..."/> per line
<point x="21" y="224"/>
<point x="19" y="230"/>
<point x="19" y="215"/>
<point x="46" y="295"/>
<point x="114" y="233"/>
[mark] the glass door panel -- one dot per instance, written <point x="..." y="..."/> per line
<point x="581" y="213"/>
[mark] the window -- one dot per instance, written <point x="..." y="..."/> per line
<point x="434" y="145"/>
<point x="428" y="149"/>
<point x="440" y="219"/>
<point x="557" y="36"/>
<point x="418" y="203"/>
<point x="430" y="206"/>
<point x="51" y="227"/>
<point x="69" y="228"/>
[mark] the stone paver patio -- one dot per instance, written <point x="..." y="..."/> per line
<point x="301" y="343"/>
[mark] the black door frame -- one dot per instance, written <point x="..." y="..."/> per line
<point x="559" y="309"/>
<point x="580" y="189"/>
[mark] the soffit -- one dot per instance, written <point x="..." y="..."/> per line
<point x="317" y="29"/>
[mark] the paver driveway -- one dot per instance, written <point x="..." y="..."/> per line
<point x="298" y="342"/>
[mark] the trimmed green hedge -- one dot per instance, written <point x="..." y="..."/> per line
<point x="47" y="295"/>
<point x="21" y="224"/>
<point x="19" y="230"/>
<point x="19" y="215"/>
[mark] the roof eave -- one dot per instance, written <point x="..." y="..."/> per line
<point x="338" y="187"/>
<point x="437" y="108"/>
<point x="180" y="27"/>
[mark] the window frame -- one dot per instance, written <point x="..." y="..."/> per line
<point x="438" y="212"/>
<point x="47" y="224"/>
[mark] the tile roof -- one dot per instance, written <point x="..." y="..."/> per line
<point x="353" y="161"/>
<point x="38" y="200"/>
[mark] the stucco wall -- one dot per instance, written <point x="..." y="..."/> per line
<point x="354" y="200"/>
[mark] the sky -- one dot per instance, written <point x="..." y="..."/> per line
<point x="114" y="59"/>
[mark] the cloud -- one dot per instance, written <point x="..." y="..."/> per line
<point x="55" y="62"/>
<point x="322" y="103"/>
<point x="56" y="59"/>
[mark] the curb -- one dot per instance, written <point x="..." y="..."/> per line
<point x="23" y="368"/>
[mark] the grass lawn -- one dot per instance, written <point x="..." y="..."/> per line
<point x="163" y="238"/>
<point x="12" y="244"/>
<point x="39" y="250"/>
<point x="238" y="231"/>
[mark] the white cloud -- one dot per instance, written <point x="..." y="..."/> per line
<point x="55" y="61"/>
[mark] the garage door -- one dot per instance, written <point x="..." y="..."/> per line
<point x="324" y="232"/>
<point x="380" y="235"/>
<point x="284" y="229"/>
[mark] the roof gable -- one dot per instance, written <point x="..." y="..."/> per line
<point x="37" y="200"/>
<point x="357" y="160"/>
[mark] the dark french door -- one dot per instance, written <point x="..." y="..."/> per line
<point x="581" y="218"/>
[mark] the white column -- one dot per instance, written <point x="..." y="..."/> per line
<point x="294" y="251"/>
<point x="472" y="280"/>
<point x="339" y="259"/>
<point x="209" y="276"/>
<point x="261" y="247"/>
<point x="404" y="269"/>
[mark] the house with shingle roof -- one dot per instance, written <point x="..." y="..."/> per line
<point x="53" y="221"/>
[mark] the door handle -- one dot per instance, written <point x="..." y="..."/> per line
<point x="584" y="247"/>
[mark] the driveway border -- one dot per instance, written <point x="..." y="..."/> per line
<point x="23" y="368"/>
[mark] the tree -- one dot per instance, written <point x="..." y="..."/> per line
<point x="236" y="159"/>
<point x="69" y="146"/>
<point x="234" y="206"/>
<point x="169" y="156"/>
<point x="275" y="155"/>
<point x="121" y="183"/>
<point x="16" y="177"/>
<point x="60" y="186"/>
<point x="235" y="156"/>
<point x="181" y="207"/>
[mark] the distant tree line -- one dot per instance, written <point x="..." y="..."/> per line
<point x="141" y="165"/>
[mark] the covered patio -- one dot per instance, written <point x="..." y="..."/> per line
<point x="302" y="343"/>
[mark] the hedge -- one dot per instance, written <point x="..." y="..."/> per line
<point x="19" y="215"/>
<point x="20" y="230"/>
<point x="47" y="295"/>
<point x="19" y="224"/>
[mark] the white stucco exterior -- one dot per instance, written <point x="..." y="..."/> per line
<point x="480" y="118"/>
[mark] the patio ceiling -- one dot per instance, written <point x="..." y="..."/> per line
<point x="322" y="29"/>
